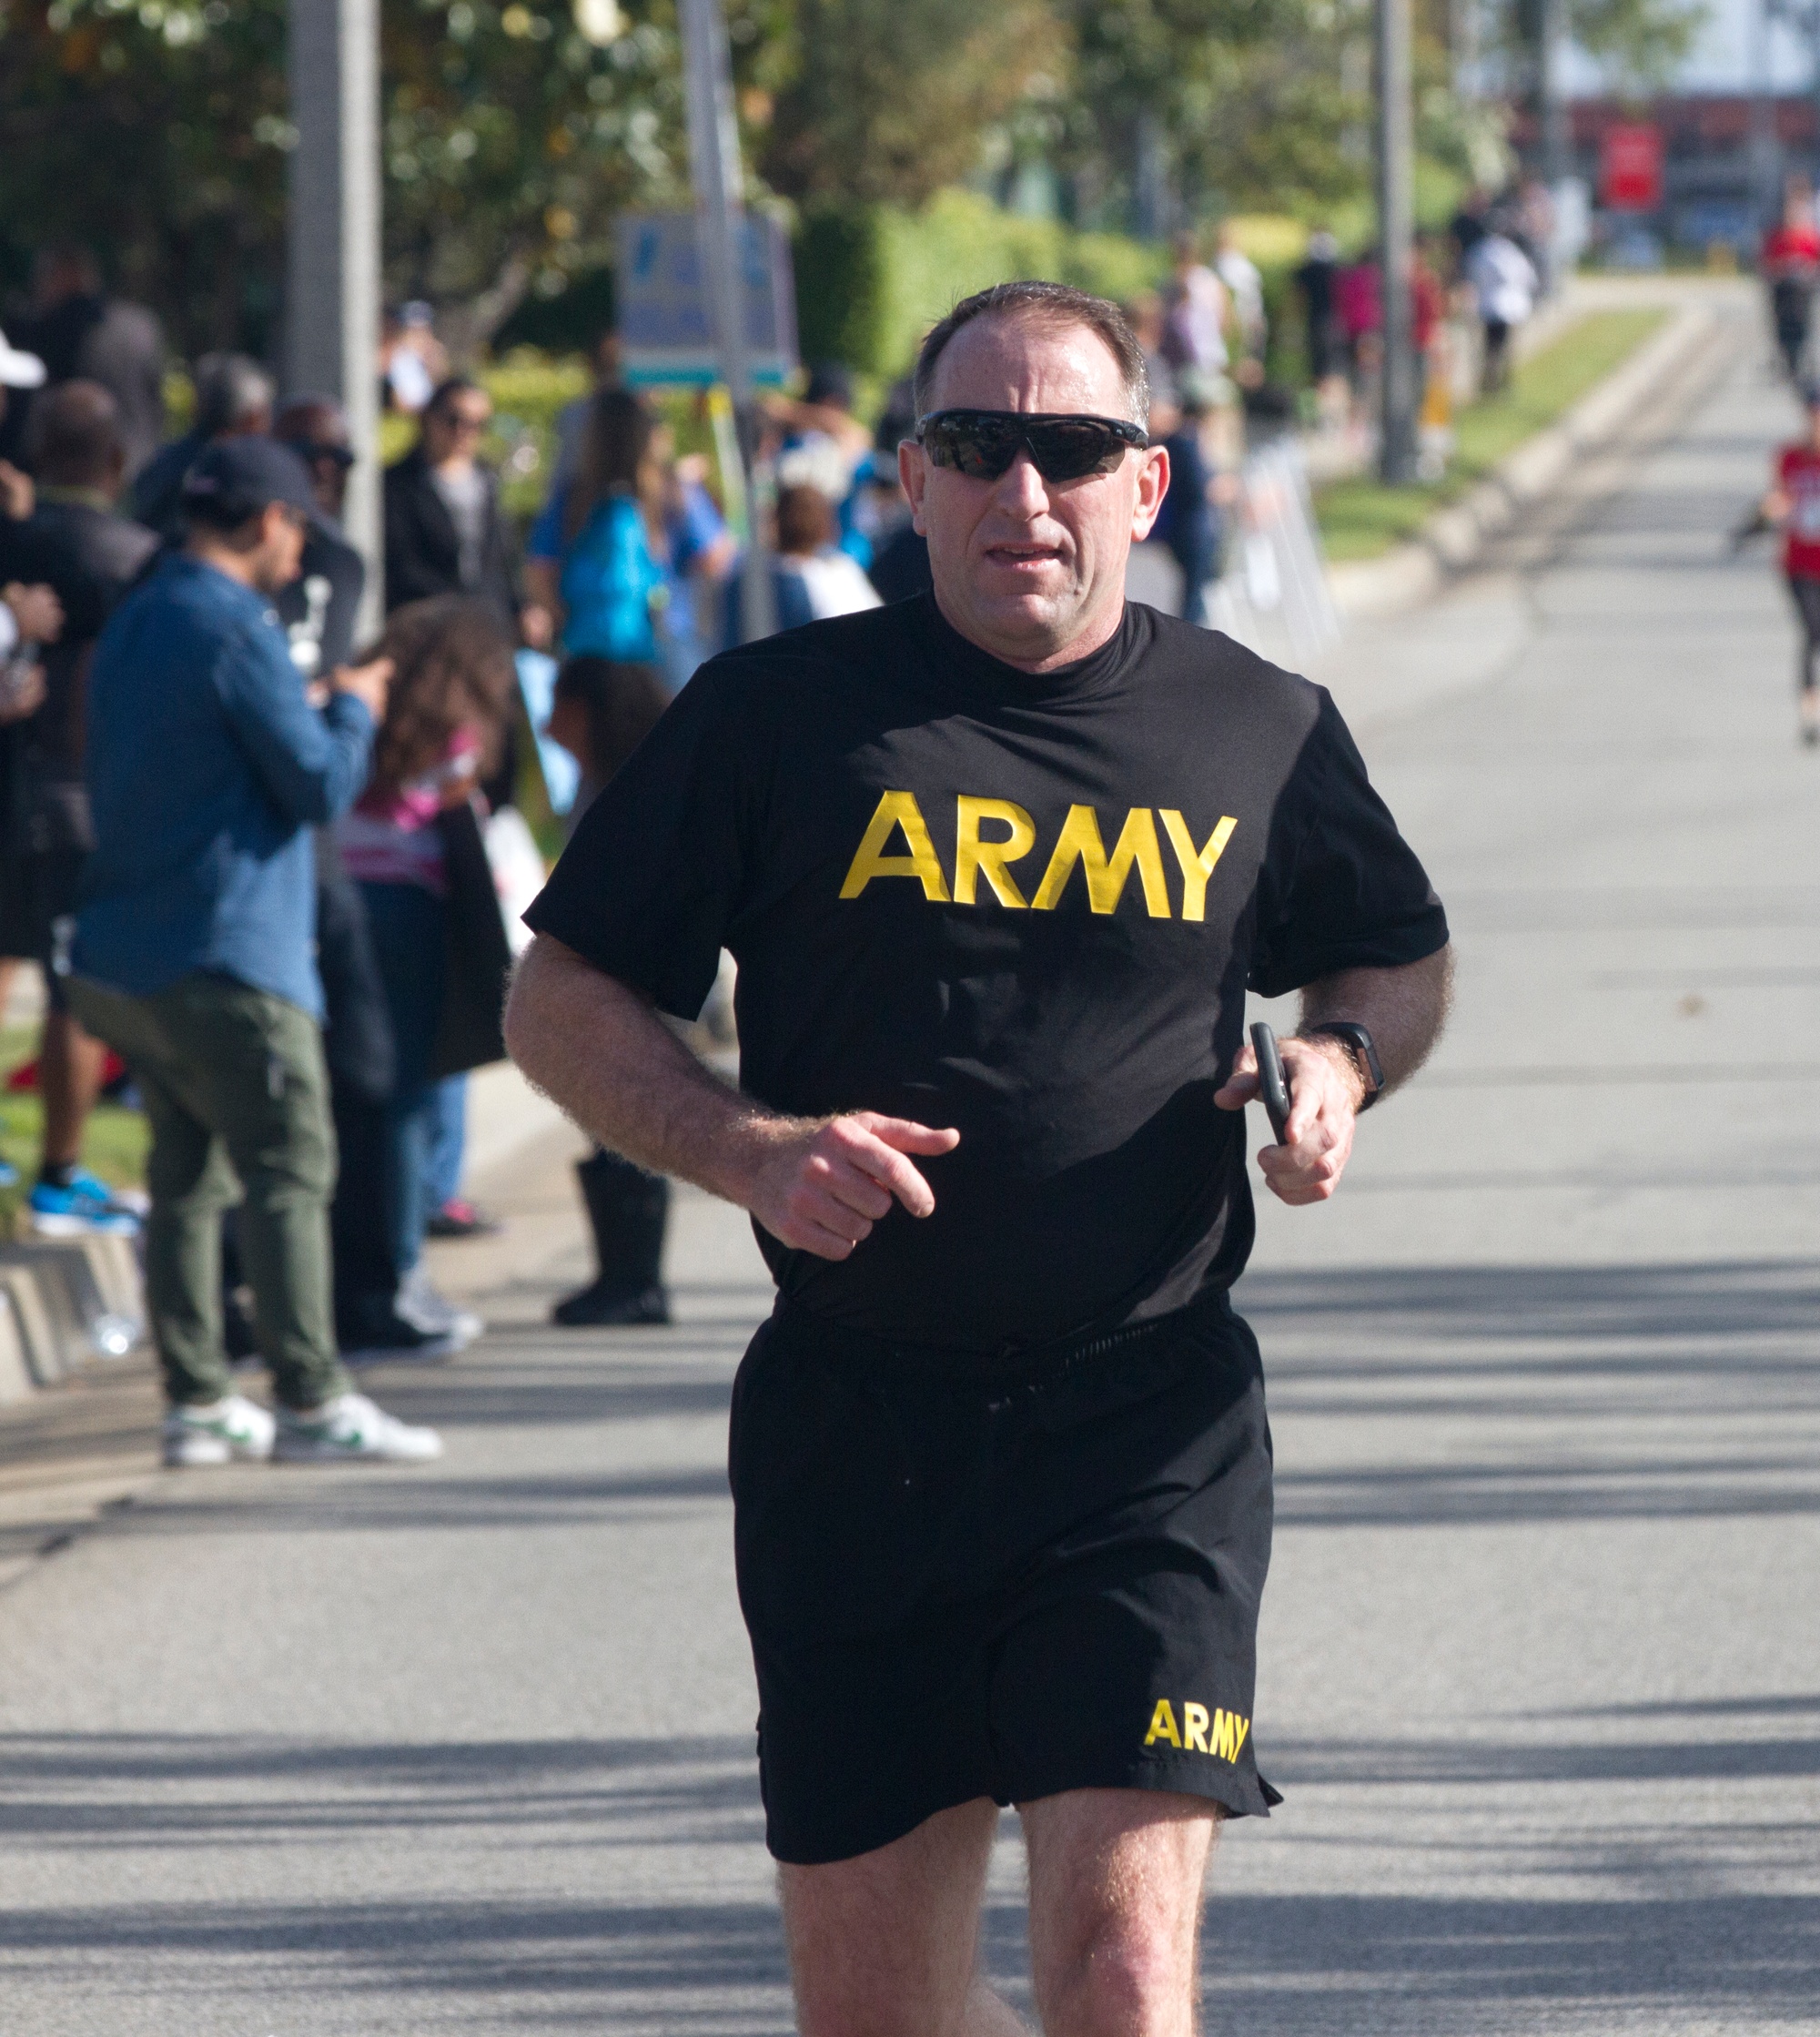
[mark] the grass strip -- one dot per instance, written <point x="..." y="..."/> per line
<point x="1360" y="518"/>
<point x="114" y="1143"/>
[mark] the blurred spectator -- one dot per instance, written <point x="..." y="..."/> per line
<point x="812" y="577"/>
<point x="82" y="332"/>
<point x="571" y="419"/>
<point x="233" y="400"/>
<point x="18" y="370"/>
<point x="701" y="553"/>
<point x="898" y="421"/>
<point x="596" y="550"/>
<point x="444" y="532"/>
<point x="1468" y="226"/>
<point x="75" y="543"/>
<point x="1198" y="310"/>
<point x="824" y="443"/>
<point x="320" y="606"/>
<point x="1534" y="224"/>
<point x="604" y="710"/>
<point x="1357" y="308"/>
<point x="1316" y="278"/>
<point x="1790" y="267"/>
<point x="320" y="609"/>
<point x="1503" y="281"/>
<point x="900" y="561"/>
<point x="1193" y="521"/>
<point x="413" y="362"/>
<point x="414" y="845"/>
<point x="1245" y="286"/>
<point x="1145" y="314"/>
<point x="831" y="582"/>
<point x="194" y="954"/>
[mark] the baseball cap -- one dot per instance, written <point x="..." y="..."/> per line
<point x="237" y="477"/>
<point x="19" y="369"/>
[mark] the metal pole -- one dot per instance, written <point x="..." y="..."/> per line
<point x="332" y="233"/>
<point x="1551" y="99"/>
<point x="1396" y="243"/>
<point x="1765" y="154"/>
<point x="715" y="163"/>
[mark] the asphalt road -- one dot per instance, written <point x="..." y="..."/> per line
<point x="288" y="1752"/>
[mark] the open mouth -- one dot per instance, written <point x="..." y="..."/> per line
<point x="1023" y="558"/>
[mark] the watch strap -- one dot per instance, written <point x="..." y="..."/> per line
<point x="1352" y="1035"/>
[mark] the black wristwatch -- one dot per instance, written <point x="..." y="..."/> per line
<point x="1350" y="1033"/>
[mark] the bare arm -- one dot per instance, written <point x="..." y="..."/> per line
<point x="599" y="1051"/>
<point x="1403" y="1008"/>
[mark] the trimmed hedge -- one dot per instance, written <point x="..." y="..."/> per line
<point x="871" y="280"/>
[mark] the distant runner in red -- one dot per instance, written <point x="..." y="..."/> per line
<point x="1790" y="263"/>
<point x="1794" y="503"/>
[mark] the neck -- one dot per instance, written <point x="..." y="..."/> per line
<point x="1022" y="658"/>
<point x="210" y="551"/>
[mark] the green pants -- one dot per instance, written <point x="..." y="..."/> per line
<point x="234" y="1085"/>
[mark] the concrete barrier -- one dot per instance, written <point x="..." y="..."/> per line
<point x="75" y="1300"/>
<point x="16" y="1372"/>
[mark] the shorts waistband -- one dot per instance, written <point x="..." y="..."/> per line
<point x="1052" y="1359"/>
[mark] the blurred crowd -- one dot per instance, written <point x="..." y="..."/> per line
<point x="506" y="657"/>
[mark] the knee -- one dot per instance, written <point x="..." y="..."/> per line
<point x="1122" y="1977"/>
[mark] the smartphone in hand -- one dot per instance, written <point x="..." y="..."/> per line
<point x="1273" y="1088"/>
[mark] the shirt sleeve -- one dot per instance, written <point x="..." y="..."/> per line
<point x="1340" y="889"/>
<point x="652" y="879"/>
<point x="312" y="766"/>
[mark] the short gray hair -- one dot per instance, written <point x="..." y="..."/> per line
<point x="1055" y="304"/>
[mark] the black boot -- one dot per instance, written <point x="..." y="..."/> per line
<point x="628" y="1210"/>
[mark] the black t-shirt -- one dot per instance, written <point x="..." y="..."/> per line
<point x="1024" y="906"/>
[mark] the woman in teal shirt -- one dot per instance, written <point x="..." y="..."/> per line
<point x="600" y="535"/>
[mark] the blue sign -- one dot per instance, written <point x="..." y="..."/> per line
<point x="666" y="325"/>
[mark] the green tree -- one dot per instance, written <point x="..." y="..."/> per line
<point x="512" y="134"/>
<point x="887" y="101"/>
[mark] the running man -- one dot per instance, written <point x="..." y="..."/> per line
<point x="1792" y="504"/>
<point x="1790" y="264"/>
<point x="998" y="865"/>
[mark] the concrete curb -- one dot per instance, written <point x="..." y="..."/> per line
<point x="64" y="1303"/>
<point x="1454" y="537"/>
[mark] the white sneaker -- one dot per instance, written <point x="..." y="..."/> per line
<point x="350" y="1429"/>
<point x="233" y="1427"/>
<point x="435" y="1314"/>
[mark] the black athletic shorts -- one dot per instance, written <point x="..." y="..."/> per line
<point x="39" y="892"/>
<point x="966" y="1577"/>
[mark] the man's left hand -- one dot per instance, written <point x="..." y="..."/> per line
<point x="1325" y="1093"/>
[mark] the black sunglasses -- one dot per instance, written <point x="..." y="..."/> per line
<point x="1063" y="446"/>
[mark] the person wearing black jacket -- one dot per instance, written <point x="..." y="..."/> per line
<point x="75" y="542"/>
<point x="444" y="532"/>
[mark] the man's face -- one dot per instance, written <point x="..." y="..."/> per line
<point x="1032" y="570"/>
<point x="277" y="558"/>
<point x="454" y="431"/>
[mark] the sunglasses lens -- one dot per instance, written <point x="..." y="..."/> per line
<point x="1070" y="450"/>
<point x="981" y="448"/>
<point x="982" y="444"/>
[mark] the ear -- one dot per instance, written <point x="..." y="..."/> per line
<point x="1153" y="484"/>
<point x="912" y="470"/>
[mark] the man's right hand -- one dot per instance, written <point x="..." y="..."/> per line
<point x="369" y="684"/>
<point x="822" y="1188"/>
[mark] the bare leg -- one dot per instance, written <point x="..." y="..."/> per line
<point x="70" y="1067"/>
<point x="886" y="1945"/>
<point x="1116" y="1879"/>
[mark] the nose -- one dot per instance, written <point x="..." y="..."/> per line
<point x="1021" y="489"/>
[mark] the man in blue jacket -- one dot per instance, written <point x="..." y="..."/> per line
<point x="208" y="768"/>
